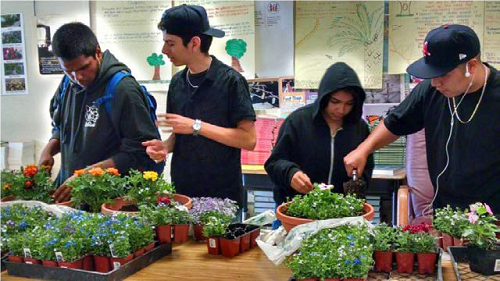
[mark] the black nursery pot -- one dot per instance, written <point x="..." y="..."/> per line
<point x="483" y="261"/>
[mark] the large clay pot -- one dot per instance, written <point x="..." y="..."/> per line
<point x="65" y="203"/>
<point x="289" y="222"/>
<point x="8" y="198"/>
<point x="118" y="203"/>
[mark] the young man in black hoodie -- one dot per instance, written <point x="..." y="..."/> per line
<point x="84" y="131"/>
<point x="314" y="139"/>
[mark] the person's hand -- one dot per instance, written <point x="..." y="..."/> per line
<point x="301" y="182"/>
<point x="355" y="160"/>
<point x="63" y="193"/>
<point x="174" y="123"/>
<point x="46" y="160"/>
<point x="156" y="149"/>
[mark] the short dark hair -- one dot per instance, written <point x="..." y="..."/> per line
<point x="73" y="40"/>
<point x="206" y="40"/>
<point x="357" y="109"/>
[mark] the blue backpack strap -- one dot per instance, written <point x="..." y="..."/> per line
<point x="65" y="85"/>
<point x="110" y="91"/>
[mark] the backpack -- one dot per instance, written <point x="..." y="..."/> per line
<point x="106" y="100"/>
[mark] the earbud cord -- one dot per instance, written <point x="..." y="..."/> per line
<point x="478" y="102"/>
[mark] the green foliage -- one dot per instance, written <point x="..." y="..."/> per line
<point x="384" y="237"/>
<point x="98" y="188"/>
<point x="31" y="183"/>
<point x="341" y="252"/>
<point x="405" y="242"/>
<point x="145" y="188"/>
<point x="324" y="204"/>
<point x="450" y="221"/>
<point x="215" y="224"/>
<point x="481" y="229"/>
<point x="424" y="242"/>
<point x="155" y="60"/>
<point x="236" y="48"/>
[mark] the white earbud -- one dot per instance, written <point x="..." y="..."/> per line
<point x="467" y="73"/>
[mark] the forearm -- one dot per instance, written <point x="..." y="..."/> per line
<point x="53" y="147"/>
<point x="380" y="137"/>
<point x="243" y="137"/>
<point x="170" y="143"/>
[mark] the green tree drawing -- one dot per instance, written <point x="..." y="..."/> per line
<point x="156" y="61"/>
<point x="364" y="30"/>
<point x="236" y="48"/>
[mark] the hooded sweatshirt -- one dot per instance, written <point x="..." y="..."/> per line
<point x="89" y="134"/>
<point x="306" y="143"/>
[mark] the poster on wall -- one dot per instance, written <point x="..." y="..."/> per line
<point x="264" y="93"/>
<point x="46" y="26"/>
<point x="237" y="20"/>
<point x="393" y="90"/>
<point x="129" y="30"/>
<point x="291" y="98"/>
<point x="273" y="38"/>
<point x="14" y="74"/>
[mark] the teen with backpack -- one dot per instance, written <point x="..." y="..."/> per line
<point x="100" y="114"/>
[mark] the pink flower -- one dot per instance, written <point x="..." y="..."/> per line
<point x="472" y="217"/>
<point x="488" y="209"/>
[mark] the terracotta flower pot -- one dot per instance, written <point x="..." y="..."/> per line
<point x="198" y="233"/>
<point x="383" y="261"/>
<point x="213" y="245"/>
<point x="49" y="263"/>
<point x="426" y="263"/>
<point x="65" y="203"/>
<point x="457" y="241"/>
<point x="289" y="222"/>
<point x="32" y="261"/>
<point x="88" y="263"/>
<point x="447" y="241"/>
<point x="7" y="198"/>
<point x="149" y="247"/>
<point x="405" y="262"/>
<point x="253" y="235"/>
<point x="118" y="262"/>
<point x="118" y="203"/>
<point x="181" y="233"/>
<point x="245" y="243"/>
<point x="164" y="233"/>
<point x="16" y="259"/>
<point x="102" y="264"/>
<point x="78" y="264"/>
<point x="139" y="252"/>
<point x="230" y="247"/>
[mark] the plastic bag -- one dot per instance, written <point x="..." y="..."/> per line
<point x="57" y="210"/>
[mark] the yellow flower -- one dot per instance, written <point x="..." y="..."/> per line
<point x="149" y="175"/>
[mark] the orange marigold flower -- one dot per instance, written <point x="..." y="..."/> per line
<point x="7" y="186"/>
<point x="79" y="172"/>
<point x="113" y="171"/>
<point x="97" y="171"/>
<point x="30" y="170"/>
<point x="28" y="184"/>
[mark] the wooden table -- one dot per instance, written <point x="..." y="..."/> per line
<point x="190" y="261"/>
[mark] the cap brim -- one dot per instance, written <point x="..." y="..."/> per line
<point x="215" y="33"/>
<point x="422" y="70"/>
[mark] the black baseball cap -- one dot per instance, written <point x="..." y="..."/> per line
<point x="444" y="49"/>
<point x="188" y="20"/>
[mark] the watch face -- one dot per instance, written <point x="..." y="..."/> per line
<point x="196" y="126"/>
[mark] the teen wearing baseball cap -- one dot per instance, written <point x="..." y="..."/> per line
<point x="458" y="105"/>
<point x="209" y="110"/>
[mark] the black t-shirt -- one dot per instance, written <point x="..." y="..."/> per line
<point x="201" y="166"/>
<point x="473" y="172"/>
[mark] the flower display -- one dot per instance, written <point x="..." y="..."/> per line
<point x="95" y="187"/>
<point x="145" y="188"/>
<point x="450" y="221"/>
<point x="481" y="229"/>
<point x="206" y="207"/>
<point x="30" y="183"/>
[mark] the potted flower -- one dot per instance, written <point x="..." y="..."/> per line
<point x="31" y="183"/>
<point x="214" y="227"/>
<point x="96" y="186"/>
<point x="317" y="205"/>
<point x="203" y="208"/>
<point x="15" y="244"/>
<point x="451" y="223"/>
<point x="383" y="243"/>
<point x="425" y="247"/>
<point x="483" y="249"/>
<point x="140" y="234"/>
<point x="405" y="251"/>
<point x="69" y="252"/>
<point x="121" y="251"/>
<point x="181" y="219"/>
<point x="161" y="216"/>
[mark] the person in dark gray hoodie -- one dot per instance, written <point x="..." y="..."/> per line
<point x="84" y="132"/>
<point x="314" y="139"/>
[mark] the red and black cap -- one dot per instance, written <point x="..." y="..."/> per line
<point x="188" y="20"/>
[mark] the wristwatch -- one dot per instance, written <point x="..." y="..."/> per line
<point x="196" y="127"/>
